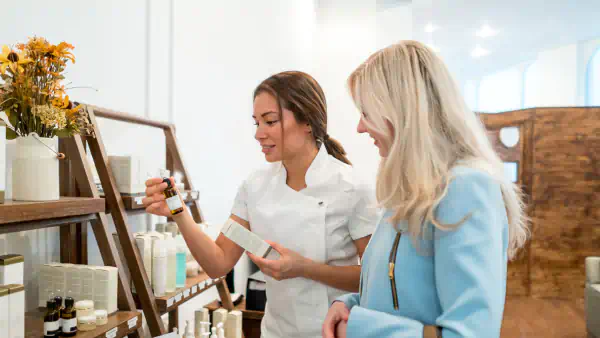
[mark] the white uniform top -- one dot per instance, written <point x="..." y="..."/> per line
<point x="319" y="222"/>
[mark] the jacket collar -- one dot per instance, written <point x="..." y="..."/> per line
<point x="316" y="171"/>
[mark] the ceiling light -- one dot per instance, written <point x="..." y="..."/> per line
<point x="430" y="28"/>
<point x="479" y="52"/>
<point x="485" y="32"/>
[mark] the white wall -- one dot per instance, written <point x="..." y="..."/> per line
<point x="499" y="92"/>
<point x="393" y="24"/>
<point x="348" y="32"/>
<point x="556" y="77"/>
<point x="591" y="73"/>
<point x="470" y="92"/>
<point x="552" y="79"/>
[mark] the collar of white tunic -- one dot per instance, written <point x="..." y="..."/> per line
<point x="317" y="171"/>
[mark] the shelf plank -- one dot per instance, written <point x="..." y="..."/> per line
<point x="21" y="212"/>
<point x="173" y="300"/>
<point x="45" y="223"/>
<point x="121" y="322"/>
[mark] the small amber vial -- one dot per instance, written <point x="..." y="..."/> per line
<point x="172" y="198"/>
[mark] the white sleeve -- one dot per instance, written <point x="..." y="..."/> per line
<point x="240" y="204"/>
<point x="365" y="216"/>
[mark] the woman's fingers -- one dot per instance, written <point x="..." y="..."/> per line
<point x="155" y="189"/>
<point x="153" y="181"/>
<point x="146" y="201"/>
<point x="345" y="314"/>
<point x="154" y="208"/>
<point x="329" y="327"/>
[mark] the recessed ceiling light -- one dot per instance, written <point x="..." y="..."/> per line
<point x="486" y="31"/>
<point x="479" y="52"/>
<point x="430" y="28"/>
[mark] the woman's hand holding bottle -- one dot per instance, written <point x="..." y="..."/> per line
<point x="154" y="202"/>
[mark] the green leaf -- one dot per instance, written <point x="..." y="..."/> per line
<point x="10" y="135"/>
<point x="63" y="133"/>
<point x="13" y="119"/>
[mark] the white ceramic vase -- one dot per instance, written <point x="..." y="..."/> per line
<point x="35" y="169"/>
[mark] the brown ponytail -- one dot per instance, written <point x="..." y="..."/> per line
<point x="303" y="96"/>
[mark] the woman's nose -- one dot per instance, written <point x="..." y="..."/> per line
<point x="259" y="134"/>
<point x="361" y="128"/>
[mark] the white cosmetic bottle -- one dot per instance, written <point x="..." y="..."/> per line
<point x="171" y="271"/>
<point x="159" y="268"/>
<point x="188" y="330"/>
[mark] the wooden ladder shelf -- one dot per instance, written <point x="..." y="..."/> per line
<point x="76" y="152"/>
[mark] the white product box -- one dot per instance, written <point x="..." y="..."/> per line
<point x="219" y="316"/>
<point x="46" y="287"/>
<point x="105" y="288"/>
<point x="16" y="316"/>
<point x="11" y="269"/>
<point x="3" y="311"/>
<point x="233" y="326"/>
<point x="70" y="276"/>
<point x="200" y="316"/>
<point x="248" y="240"/>
<point x="129" y="173"/>
<point x="81" y="282"/>
<point x="88" y="278"/>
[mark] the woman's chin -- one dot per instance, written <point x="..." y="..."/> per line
<point x="272" y="158"/>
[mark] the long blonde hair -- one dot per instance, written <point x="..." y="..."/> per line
<point x="408" y="85"/>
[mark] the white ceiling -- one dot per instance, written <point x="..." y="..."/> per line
<point x="526" y="28"/>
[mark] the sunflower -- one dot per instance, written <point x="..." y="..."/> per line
<point x="12" y="59"/>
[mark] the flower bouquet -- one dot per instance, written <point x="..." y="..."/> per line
<point x="38" y="111"/>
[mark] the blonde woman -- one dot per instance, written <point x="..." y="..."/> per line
<point x="436" y="264"/>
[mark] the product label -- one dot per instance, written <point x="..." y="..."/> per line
<point x="132" y="322"/>
<point x="51" y="328"/>
<point x="178" y="297"/>
<point x="174" y="202"/>
<point x="69" y="325"/>
<point x="112" y="333"/>
<point x="186" y="293"/>
<point x="194" y="289"/>
<point x="170" y="301"/>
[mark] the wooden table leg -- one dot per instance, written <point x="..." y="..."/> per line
<point x="174" y="320"/>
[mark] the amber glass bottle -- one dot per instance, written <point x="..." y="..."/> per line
<point x="69" y="318"/>
<point x="59" y="309"/>
<point x="172" y="198"/>
<point x="51" y="326"/>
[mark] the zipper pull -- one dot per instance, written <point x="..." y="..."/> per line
<point x="391" y="270"/>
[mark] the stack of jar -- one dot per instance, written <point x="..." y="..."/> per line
<point x="67" y="320"/>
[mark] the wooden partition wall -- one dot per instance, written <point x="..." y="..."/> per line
<point x="558" y="157"/>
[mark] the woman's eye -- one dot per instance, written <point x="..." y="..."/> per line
<point x="272" y="122"/>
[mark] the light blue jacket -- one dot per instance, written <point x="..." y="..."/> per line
<point x="456" y="281"/>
